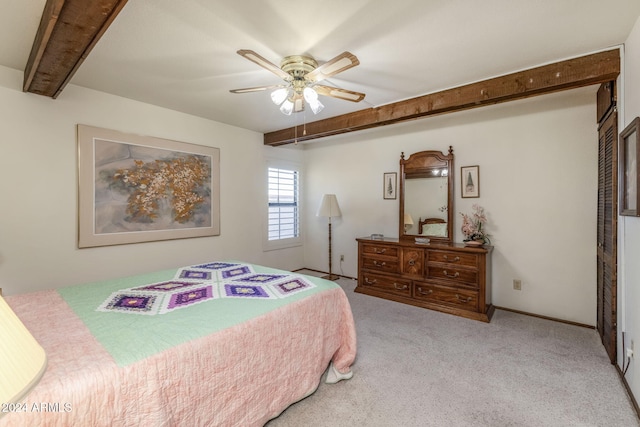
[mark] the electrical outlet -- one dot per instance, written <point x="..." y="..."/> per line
<point x="629" y="352"/>
<point x="517" y="284"/>
<point x="341" y="258"/>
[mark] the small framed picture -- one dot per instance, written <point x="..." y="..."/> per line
<point x="389" y="185"/>
<point x="629" y="178"/>
<point x="470" y="181"/>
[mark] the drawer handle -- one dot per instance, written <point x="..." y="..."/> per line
<point x="379" y="264"/>
<point x="412" y="262"/>
<point x="456" y="259"/>
<point x="380" y="251"/>
<point x="453" y="276"/>
<point x="421" y="292"/>
<point x="400" y="288"/>
<point x="463" y="299"/>
<point x="369" y="281"/>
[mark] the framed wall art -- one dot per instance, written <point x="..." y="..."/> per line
<point x="470" y="181"/>
<point x="134" y="188"/>
<point x="629" y="151"/>
<point x="390" y="181"/>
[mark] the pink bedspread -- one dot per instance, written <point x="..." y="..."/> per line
<point x="240" y="376"/>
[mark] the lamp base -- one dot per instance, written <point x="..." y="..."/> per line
<point x="331" y="277"/>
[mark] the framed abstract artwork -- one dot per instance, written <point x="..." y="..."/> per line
<point x="134" y="188"/>
<point x="470" y="181"/>
<point x="628" y="153"/>
<point x="389" y="183"/>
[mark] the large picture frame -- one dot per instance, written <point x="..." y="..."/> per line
<point x="470" y="181"/>
<point x="629" y="152"/>
<point x="134" y="188"/>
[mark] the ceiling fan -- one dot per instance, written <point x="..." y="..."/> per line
<point x="301" y="74"/>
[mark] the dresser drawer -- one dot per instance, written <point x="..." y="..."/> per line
<point x="384" y="250"/>
<point x="385" y="283"/>
<point x="388" y="265"/>
<point x="454" y="297"/>
<point x="453" y="258"/>
<point x="461" y="276"/>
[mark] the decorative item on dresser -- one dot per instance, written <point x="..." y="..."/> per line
<point x="427" y="270"/>
<point x="472" y="227"/>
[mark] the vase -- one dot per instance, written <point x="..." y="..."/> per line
<point x="474" y="242"/>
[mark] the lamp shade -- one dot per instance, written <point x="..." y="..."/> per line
<point x="329" y="207"/>
<point x="407" y="219"/>
<point x="22" y="359"/>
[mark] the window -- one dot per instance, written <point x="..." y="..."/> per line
<point x="284" y="208"/>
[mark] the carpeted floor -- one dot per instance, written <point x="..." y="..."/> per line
<point x="418" y="367"/>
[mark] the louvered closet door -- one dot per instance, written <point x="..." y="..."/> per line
<point x="607" y="232"/>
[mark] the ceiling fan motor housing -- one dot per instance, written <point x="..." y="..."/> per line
<point x="297" y="66"/>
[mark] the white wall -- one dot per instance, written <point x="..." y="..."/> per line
<point x="538" y="184"/>
<point x="38" y="190"/>
<point x="629" y="248"/>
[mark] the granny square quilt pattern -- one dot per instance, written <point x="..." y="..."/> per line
<point x="238" y="290"/>
<point x="189" y="297"/>
<point x="132" y="302"/>
<point x="291" y="286"/>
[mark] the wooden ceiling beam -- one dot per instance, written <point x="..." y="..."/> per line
<point x="570" y="74"/>
<point x="68" y="30"/>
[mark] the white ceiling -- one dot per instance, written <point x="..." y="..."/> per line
<point x="182" y="54"/>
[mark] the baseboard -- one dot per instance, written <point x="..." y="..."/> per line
<point x="546" y="317"/>
<point x="324" y="272"/>
<point x="629" y="392"/>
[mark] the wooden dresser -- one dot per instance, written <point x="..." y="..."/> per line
<point x="447" y="277"/>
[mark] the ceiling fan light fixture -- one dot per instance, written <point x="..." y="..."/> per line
<point x="310" y="95"/>
<point x="286" y="107"/>
<point x="316" y="106"/>
<point x="279" y="95"/>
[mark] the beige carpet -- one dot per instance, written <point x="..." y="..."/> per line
<point x="417" y="367"/>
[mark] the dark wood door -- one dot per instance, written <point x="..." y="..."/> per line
<point x="607" y="225"/>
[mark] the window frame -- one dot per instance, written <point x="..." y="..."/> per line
<point x="289" y="242"/>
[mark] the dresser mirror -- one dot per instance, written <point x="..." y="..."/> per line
<point x="426" y="196"/>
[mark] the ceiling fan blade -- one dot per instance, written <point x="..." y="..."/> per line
<point x="347" y="95"/>
<point x="264" y="63"/>
<point x="340" y="63"/>
<point x="256" y="89"/>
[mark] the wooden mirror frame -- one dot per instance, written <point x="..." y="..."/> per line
<point x="420" y="165"/>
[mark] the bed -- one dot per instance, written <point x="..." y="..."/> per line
<point x="216" y="344"/>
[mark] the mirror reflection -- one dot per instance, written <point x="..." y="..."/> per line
<point x="426" y="206"/>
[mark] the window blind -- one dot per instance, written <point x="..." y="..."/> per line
<point x="284" y="216"/>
